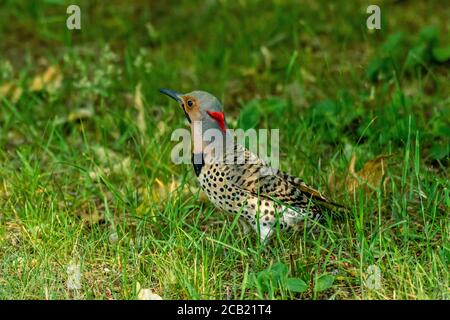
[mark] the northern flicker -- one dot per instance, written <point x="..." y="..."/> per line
<point x="237" y="181"/>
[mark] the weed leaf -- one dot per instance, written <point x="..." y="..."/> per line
<point x="324" y="282"/>
<point x="296" y="285"/>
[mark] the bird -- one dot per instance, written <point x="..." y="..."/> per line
<point x="237" y="181"/>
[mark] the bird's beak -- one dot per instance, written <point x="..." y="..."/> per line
<point x="177" y="97"/>
<point x="173" y="94"/>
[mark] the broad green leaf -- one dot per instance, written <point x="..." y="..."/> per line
<point x="324" y="282"/>
<point x="250" y="115"/>
<point x="417" y="55"/>
<point x="394" y="44"/>
<point x="429" y="35"/>
<point x="296" y="285"/>
<point x="441" y="54"/>
<point x="326" y="107"/>
<point x="439" y="151"/>
<point x="263" y="280"/>
<point x="376" y="67"/>
<point x="278" y="271"/>
<point x="276" y="105"/>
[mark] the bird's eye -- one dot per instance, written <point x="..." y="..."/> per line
<point x="190" y="103"/>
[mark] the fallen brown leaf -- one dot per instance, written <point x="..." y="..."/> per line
<point x="6" y="88"/>
<point x="80" y="114"/>
<point x="108" y="294"/>
<point x="109" y="162"/>
<point x="15" y="138"/>
<point x="160" y="191"/>
<point x="50" y="80"/>
<point x="307" y="76"/>
<point x="369" y="177"/>
<point x="11" y="90"/>
<point x="267" y="55"/>
<point x="91" y="216"/>
<point x="296" y="93"/>
<point x="123" y="167"/>
<point x="139" y="105"/>
<point x="145" y="293"/>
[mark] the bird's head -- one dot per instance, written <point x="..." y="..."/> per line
<point x="200" y="106"/>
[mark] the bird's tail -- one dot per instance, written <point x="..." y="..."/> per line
<point x="336" y="210"/>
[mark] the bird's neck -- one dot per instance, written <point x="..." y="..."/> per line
<point x="210" y="141"/>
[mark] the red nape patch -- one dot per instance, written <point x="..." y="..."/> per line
<point x="219" y="117"/>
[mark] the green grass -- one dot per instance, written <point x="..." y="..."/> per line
<point x="84" y="183"/>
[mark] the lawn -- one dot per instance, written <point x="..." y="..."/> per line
<point x="92" y="207"/>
